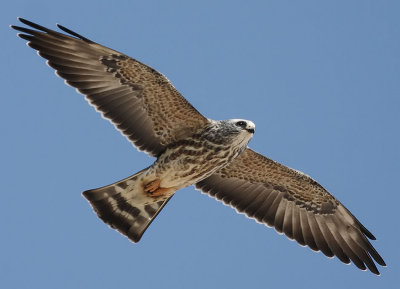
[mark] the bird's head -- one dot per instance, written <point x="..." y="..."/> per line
<point x="239" y="126"/>
<point x="243" y="125"/>
<point x="238" y="131"/>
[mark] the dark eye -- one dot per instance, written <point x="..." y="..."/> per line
<point x="241" y="123"/>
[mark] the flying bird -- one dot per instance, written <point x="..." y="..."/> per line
<point x="191" y="149"/>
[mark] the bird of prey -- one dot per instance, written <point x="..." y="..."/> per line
<point x="191" y="149"/>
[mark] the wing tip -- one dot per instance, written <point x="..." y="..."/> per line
<point x="69" y="31"/>
<point x="42" y="28"/>
<point x="20" y="19"/>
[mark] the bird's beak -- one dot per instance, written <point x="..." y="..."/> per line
<point x="250" y="130"/>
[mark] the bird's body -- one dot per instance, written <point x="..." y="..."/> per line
<point x="193" y="150"/>
<point x="200" y="155"/>
<point x="182" y="164"/>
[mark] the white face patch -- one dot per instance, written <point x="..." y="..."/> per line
<point x="245" y="135"/>
<point x="249" y="123"/>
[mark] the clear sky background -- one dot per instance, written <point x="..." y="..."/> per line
<point x="321" y="80"/>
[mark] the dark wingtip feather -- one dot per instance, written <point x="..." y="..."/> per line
<point x="34" y="25"/>
<point x="69" y="31"/>
<point x="366" y="232"/>
<point x="376" y="256"/>
<point x="18" y="28"/>
<point x="25" y="30"/>
<point x="42" y="28"/>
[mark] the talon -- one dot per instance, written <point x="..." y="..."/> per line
<point x="160" y="192"/>
<point x="153" y="186"/>
<point x="154" y="190"/>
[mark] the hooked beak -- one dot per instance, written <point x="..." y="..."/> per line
<point x="250" y="130"/>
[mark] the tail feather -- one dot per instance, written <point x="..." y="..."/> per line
<point x="124" y="206"/>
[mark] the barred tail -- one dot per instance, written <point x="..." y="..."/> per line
<point x="124" y="206"/>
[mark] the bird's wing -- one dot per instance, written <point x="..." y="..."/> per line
<point x="138" y="100"/>
<point x="295" y="205"/>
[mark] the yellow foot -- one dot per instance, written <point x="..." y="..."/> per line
<point x="154" y="190"/>
<point x="152" y="186"/>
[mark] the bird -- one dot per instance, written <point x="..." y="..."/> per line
<point x="191" y="149"/>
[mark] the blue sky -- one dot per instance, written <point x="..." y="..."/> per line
<point x="319" y="78"/>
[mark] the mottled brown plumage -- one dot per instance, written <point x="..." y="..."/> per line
<point x="121" y="88"/>
<point x="192" y="149"/>
<point x="295" y="205"/>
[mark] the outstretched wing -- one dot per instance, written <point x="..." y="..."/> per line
<point x="138" y="100"/>
<point x="295" y="205"/>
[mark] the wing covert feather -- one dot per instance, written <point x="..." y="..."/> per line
<point x="138" y="100"/>
<point x="295" y="205"/>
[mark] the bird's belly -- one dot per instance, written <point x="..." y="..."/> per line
<point x="186" y="169"/>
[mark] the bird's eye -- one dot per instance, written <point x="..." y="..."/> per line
<point x="241" y="123"/>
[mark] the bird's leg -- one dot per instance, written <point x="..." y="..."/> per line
<point x="154" y="190"/>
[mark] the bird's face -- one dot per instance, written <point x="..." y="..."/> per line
<point x="240" y="130"/>
<point x="243" y="125"/>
